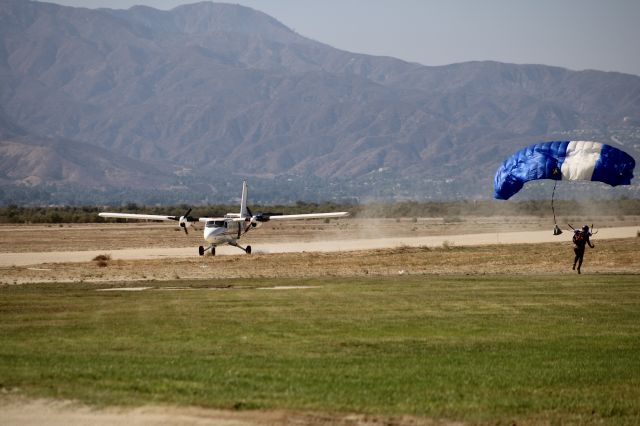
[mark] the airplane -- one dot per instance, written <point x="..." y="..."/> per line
<point x="227" y="229"/>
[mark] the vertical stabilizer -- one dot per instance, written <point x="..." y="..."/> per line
<point x="244" y="212"/>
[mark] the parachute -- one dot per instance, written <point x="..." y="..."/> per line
<point x="563" y="160"/>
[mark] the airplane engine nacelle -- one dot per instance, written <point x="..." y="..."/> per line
<point x="256" y="221"/>
<point x="184" y="223"/>
<point x="261" y="217"/>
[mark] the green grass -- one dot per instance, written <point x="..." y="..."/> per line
<point x="559" y="349"/>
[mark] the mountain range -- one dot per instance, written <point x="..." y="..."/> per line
<point x="190" y="101"/>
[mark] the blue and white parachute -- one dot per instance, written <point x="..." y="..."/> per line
<point x="563" y="160"/>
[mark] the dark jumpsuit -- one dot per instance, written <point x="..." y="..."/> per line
<point x="579" y="246"/>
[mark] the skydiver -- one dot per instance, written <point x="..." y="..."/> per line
<point x="580" y="240"/>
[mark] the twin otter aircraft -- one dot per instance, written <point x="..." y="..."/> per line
<point x="227" y="229"/>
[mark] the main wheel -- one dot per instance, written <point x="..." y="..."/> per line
<point x="213" y="251"/>
<point x="248" y="250"/>
<point x="201" y="251"/>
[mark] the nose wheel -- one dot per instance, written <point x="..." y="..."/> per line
<point x="202" y="250"/>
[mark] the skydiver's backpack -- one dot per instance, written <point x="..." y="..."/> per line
<point x="578" y="238"/>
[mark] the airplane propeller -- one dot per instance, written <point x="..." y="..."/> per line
<point x="259" y="217"/>
<point x="185" y="220"/>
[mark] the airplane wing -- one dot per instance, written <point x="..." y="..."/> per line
<point x="161" y="217"/>
<point x="308" y="216"/>
<point x="138" y="216"/>
<point x="183" y="221"/>
<point x="260" y="217"/>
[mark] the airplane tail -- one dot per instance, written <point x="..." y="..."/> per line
<point x="244" y="211"/>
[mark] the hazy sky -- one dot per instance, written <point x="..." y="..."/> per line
<point x="575" y="34"/>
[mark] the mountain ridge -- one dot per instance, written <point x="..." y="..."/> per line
<point x="224" y="90"/>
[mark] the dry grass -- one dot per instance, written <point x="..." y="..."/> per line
<point x="102" y="260"/>
<point x="609" y="256"/>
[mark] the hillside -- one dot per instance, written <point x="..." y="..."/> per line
<point x="210" y="93"/>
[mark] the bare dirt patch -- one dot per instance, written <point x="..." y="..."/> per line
<point x="24" y="412"/>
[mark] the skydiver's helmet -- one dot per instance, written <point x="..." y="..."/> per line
<point x="585" y="229"/>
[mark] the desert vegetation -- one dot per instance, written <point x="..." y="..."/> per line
<point x="412" y="209"/>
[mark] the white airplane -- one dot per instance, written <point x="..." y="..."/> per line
<point x="227" y="229"/>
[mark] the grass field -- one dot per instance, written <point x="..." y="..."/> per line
<point x="478" y="349"/>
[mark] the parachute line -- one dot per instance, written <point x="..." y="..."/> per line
<point x="553" y="194"/>
<point x="556" y="228"/>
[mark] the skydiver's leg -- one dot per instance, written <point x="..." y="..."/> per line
<point x="576" y="250"/>
<point x="581" y="257"/>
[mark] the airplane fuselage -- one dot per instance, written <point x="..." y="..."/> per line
<point x="218" y="232"/>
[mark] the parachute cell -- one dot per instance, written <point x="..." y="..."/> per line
<point x="563" y="160"/>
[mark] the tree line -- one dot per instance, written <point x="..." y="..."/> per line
<point x="483" y="208"/>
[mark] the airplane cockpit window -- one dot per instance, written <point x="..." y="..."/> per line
<point x="215" y="224"/>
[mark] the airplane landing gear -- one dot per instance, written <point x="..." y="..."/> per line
<point x="246" y="249"/>
<point x="202" y="250"/>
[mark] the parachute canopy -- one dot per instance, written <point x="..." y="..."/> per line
<point x="563" y="160"/>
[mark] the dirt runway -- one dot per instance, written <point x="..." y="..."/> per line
<point x="333" y="245"/>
